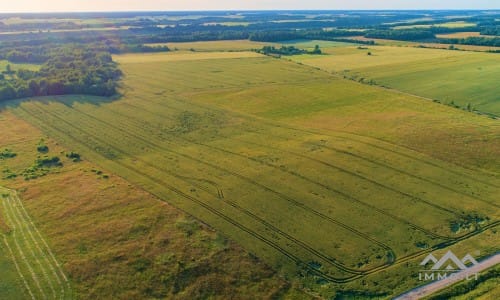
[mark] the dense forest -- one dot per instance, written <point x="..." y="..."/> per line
<point x="69" y="69"/>
<point x="400" y="34"/>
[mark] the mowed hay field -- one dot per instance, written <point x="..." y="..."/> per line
<point x="312" y="173"/>
<point x="237" y="45"/>
<point x="112" y="240"/>
<point x="459" y="76"/>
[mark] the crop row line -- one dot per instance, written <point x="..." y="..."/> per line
<point x="36" y="244"/>
<point x="267" y="132"/>
<point x="16" y="264"/>
<point x="19" y="250"/>
<point x="285" y="197"/>
<point x="347" y="136"/>
<point x="303" y="177"/>
<point x="391" y="255"/>
<point x="51" y="259"/>
<point x="28" y="242"/>
<point x="162" y="184"/>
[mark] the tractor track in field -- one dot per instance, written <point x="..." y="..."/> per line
<point x="17" y="224"/>
<point x="350" y="137"/>
<point x="458" y="214"/>
<point x="448" y="240"/>
<point x="41" y="272"/>
<point x="300" y="205"/>
<point x="18" y="269"/>
<point x="429" y="233"/>
<point x="253" y="120"/>
<point x="425" y="251"/>
<point x="244" y="178"/>
<point x="318" y="132"/>
<point x="291" y="256"/>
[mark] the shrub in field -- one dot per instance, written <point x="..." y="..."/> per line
<point x="7" y="153"/>
<point x="75" y="157"/>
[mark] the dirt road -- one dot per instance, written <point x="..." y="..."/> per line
<point x="435" y="286"/>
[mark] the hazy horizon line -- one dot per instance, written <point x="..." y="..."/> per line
<point x="245" y="10"/>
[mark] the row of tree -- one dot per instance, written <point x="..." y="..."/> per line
<point x="401" y="34"/>
<point x="287" y="50"/>
<point x="473" y="40"/>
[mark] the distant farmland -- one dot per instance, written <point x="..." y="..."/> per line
<point x="459" y="76"/>
<point x="269" y="152"/>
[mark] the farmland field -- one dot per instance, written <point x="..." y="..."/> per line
<point x="461" y="35"/>
<point x="457" y="24"/>
<point x="459" y="76"/>
<point x="241" y="45"/>
<point x="37" y="268"/>
<point x="112" y="239"/>
<point x="268" y="159"/>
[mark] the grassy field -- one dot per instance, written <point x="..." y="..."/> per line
<point x="112" y="239"/>
<point x="458" y="76"/>
<point x="385" y="42"/>
<point x="457" y="24"/>
<point x="35" y="263"/>
<point x="461" y="35"/>
<point x="15" y="67"/>
<point x="241" y="45"/>
<point x="268" y="159"/>
<point x="245" y="45"/>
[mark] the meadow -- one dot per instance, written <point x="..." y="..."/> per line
<point x="245" y="45"/>
<point x="460" y="76"/>
<point x="268" y="159"/>
<point x="456" y="24"/>
<point x="461" y="35"/>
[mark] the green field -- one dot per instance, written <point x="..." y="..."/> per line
<point x="458" y="76"/>
<point x="15" y="67"/>
<point x="104" y="231"/>
<point x="457" y="24"/>
<point x="238" y="45"/>
<point x="270" y="158"/>
<point x="38" y="273"/>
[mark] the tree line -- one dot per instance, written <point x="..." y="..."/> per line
<point x="287" y="50"/>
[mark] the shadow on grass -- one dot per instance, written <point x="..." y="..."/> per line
<point x="68" y="100"/>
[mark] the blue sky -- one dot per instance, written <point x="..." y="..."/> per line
<point x="121" y="5"/>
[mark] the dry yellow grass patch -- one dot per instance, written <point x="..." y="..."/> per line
<point x="179" y="56"/>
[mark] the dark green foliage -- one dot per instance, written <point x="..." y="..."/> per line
<point x="75" y="157"/>
<point x="399" y="34"/>
<point x="473" y="40"/>
<point x="41" y="167"/>
<point x="7" y="153"/>
<point x="48" y="162"/>
<point x="42" y="148"/>
<point x="68" y="69"/>
<point x="332" y="35"/>
<point x="8" y="174"/>
<point x="316" y="50"/>
<point x="287" y="50"/>
<point x="493" y="30"/>
<point x="468" y="222"/>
